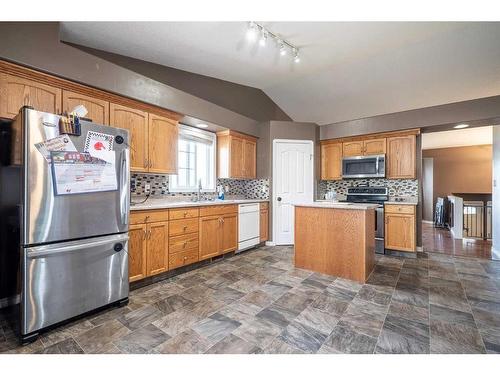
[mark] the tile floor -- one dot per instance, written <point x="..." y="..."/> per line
<point x="257" y="302"/>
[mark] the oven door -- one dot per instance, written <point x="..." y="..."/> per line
<point x="363" y="166"/>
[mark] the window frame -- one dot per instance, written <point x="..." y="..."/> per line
<point x="203" y="134"/>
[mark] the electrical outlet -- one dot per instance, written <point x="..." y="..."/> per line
<point x="263" y="189"/>
<point x="147" y="188"/>
<point x="226" y="188"/>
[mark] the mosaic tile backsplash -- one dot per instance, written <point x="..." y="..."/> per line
<point x="248" y="189"/>
<point x="397" y="188"/>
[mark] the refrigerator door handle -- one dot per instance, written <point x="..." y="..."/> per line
<point x="79" y="245"/>
<point x="124" y="193"/>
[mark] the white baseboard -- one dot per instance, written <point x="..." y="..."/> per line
<point x="8" y="301"/>
<point x="270" y="243"/>
<point x="427" y="221"/>
<point x="420" y="249"/>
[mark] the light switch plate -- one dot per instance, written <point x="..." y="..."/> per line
<point x="147" y="188"/>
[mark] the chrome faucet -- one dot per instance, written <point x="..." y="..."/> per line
<point x="198" y="196"/>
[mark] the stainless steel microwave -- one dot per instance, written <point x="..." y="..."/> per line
<point x="363" y="166"/>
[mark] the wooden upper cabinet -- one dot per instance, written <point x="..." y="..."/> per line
<point x="157" y="248"/>
<point x="163" y="140"/>
<point x="98" y="109"/>
<point x="16" y="92"/>
<point x="229" y="233"/>
<point x="136" y="122"/>
<point x="354" y="148"/>
<point x="331" y="161"/>
<point x="137" y="254"/>
<point x="401" y="157"/>
<point x="210" y="236"/>
<point x="376" y="146"/>
<point x="236" y="155"/>
<point x="250" y="159"/>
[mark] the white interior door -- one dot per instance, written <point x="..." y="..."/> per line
<point x="293" y="182"/>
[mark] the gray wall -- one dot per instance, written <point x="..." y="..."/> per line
<point x="245" y="100"/>
<point x="484" y="111"/>
<point x="428" y="189"/>
<point x="496" y="192"/>
<point x="284" y="130"/>
<point x="37" y="45"/>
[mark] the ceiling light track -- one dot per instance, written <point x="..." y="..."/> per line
<point x="255" y="29"/>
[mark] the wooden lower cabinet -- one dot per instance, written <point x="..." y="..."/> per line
<point x="229" y="233"/>
<point x="218" y="232"/>
<point x="137" y="252"/>
<point x="157" y="248"/>
<point x="264" y="224"/>
<point x="400" y="228"/>
<point x="210" y="234"/>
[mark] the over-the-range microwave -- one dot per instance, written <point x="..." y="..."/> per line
<point x="363" y="166"/>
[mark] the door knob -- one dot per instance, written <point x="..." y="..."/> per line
<point x="279" y="199"/>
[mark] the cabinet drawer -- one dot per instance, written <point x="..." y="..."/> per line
<point x="264" y="206"/>
<point x="148" y="216"/>
<point x="182" y="243"/>
<point x="219" y="210"/>
<point x="183" y="213"/>
<point x="184" y="226"/>
<point x="399" y="208"/>
<point x="182" y="258"/>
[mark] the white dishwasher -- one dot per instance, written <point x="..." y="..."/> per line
<point x="248" y="225"/>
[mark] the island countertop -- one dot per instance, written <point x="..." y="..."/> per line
<point x="335" y="239"/>
<point x="342" y="205"/>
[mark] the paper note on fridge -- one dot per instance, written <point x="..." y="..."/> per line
<point x="80" y="172"/>
<point x="60" y="143"/>
<point x="98" y="142"/>
<point x="107" y="156"/>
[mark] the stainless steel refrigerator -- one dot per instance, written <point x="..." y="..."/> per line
<point x="73" y="236"/>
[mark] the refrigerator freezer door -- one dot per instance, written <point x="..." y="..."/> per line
<point x="51" y="218"/>
<point x="65" y="280"/>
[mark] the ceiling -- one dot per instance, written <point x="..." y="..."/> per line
<point x="457" y="138"/>
<point x="348" y="70"/>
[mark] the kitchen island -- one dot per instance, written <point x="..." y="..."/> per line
<point x="336" y="239"/>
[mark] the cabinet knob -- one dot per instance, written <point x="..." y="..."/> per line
<point x="185" y="213"/>
<point x="185" y="228"/>
<point x="185" y="244"/>
<point x="185" y="258"/>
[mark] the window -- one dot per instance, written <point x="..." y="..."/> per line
<point x="196" y="158"/>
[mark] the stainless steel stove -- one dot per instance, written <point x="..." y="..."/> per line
<point x="372" y="194"/>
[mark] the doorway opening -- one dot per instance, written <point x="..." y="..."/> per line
<point x="457" y="192"/>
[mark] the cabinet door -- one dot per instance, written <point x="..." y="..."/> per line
<point x="210" y="236"/>
<point x="98" y="109"/>
<point x="229" y="233"/>
<point x="352" y="148"/>
<point x="264" y="225"/>
<point x="250" y="159"/>
<point x="157" y="259"/>
<point x="331" y="161"/>
<point x="137" y="252"/>
<point x="374" y="146"/>
<point x="16" y="92"/>
<point x="136" y="122"/>
<point x="236" y="154"/>
<point x="163" y="138"/>
<point x="401" y="155"/>
<point x="400" y="232"/>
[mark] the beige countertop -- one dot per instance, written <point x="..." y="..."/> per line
<point x="412" y="201"/>
<point x="342" y="205"/>
<point x="159" y="203"/>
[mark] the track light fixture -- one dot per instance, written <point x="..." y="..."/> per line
<point x="255" y="29"/>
